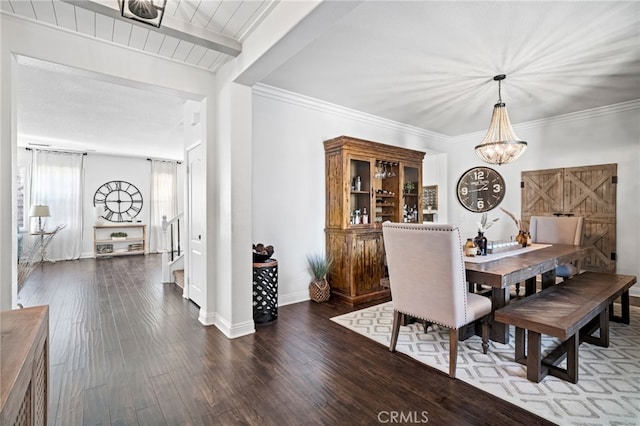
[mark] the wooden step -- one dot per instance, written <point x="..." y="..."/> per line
<point x="178" y="277"/>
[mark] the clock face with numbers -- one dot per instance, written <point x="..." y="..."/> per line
<point x="480" y="189"/>
<point x="121" y="200"/>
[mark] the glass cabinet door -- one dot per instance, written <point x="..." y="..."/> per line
<point x="360" y="189"/>
<point x="411" y="187"/>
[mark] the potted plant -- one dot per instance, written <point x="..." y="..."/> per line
<point x="319" y="290"/>
<point x="118" y="236"/>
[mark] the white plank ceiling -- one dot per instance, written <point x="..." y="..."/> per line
<point x="228" y="20"/>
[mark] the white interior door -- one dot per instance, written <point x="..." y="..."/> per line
<point x="196" y="225"/>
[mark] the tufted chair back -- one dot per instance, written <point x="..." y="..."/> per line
<point x="426" y="272"/>
<point x="427" y="279"/>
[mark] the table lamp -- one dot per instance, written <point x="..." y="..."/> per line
<point x="39" y="211"/>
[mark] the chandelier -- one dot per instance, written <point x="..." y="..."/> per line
<point x="500" y="145"/>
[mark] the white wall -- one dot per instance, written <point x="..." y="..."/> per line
<point x="100" y="169"/>
<point x="288" y="174"/>
<point x="229" y="171"/>
<point x="435" y="173"/>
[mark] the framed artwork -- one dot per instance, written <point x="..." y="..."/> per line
<point x="429" y="198"/>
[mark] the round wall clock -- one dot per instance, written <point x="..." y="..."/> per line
<point x="121" y="200"/>
<point x="480" y="189"/>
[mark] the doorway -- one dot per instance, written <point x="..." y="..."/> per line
<point x="113" y="120"/>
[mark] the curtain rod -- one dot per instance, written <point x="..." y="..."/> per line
<point x="56" y="150"/>
<point x="166" y="161"/>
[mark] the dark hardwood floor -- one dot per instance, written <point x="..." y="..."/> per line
<point x="127" y="350"/>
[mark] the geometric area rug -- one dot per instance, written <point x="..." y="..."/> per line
<point x="608" y="388"/>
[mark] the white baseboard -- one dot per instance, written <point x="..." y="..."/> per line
<point x="291" y="298"/>
<point x="232" y="331"/>
<point x="207" y="318"/>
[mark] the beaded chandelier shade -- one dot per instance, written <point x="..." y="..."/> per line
<point x="500" y="145"/>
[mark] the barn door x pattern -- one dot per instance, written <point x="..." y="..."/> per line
<point x="588" y="191"/>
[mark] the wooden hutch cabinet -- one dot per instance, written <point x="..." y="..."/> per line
<point x="367" y="183"/>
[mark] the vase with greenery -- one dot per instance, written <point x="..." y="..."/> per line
<point x="319" y="290"/>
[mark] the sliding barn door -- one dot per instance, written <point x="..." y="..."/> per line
<point x="588" y="191"/>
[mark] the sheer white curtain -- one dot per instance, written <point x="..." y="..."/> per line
<point x="164" y="199"/>
<point x="57" y="182"/>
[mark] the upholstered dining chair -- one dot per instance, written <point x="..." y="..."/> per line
<point x="558" y="230"/>
<point x="428" y="281"/>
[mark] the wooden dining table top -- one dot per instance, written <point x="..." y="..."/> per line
<point x="509" y="270"/>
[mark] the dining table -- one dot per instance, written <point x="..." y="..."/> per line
<point x="497" y="272"/>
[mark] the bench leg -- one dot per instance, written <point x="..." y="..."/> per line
<point x="601" y="322"/>
<point x="568" y="349"/>
<point x="625" y="317"/>
<point x="535" y="370"/>
<point x="519" y="343"/>
<point x="604" y="328"/>
<point x="624" y="299"/>
<point x="571" y="373"/>
<point x="572" y="358"/>
<point x="537" y="367"/>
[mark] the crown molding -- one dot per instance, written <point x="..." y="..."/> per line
<point x="566" y="118"/>
<point x="297" y="99"/>
<point x="582" y="115"/>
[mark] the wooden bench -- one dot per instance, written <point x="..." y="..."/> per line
<point x="571" y="311"/>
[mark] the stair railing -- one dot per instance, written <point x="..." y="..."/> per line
<point x="172" y="244"/>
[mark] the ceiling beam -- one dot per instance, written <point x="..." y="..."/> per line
<point x="170" y="27"/>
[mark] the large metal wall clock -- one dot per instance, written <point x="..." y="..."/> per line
<point x="121" y="200"/>
<point x="480" y="189"/>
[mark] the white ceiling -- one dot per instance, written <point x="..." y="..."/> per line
<point x="425" y="63"/>
<point x="63" y="108"/>
<point x="431" y="63"/>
